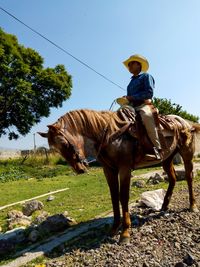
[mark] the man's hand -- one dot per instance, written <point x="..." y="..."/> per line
<point x="130" y="98"/>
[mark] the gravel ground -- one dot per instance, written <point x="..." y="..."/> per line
<point x="157" y="239"/>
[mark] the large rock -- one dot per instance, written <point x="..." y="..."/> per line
<point x="56" y="223"/>
<point x="31" y="206"/>
<point x="177" y="159"/>
<point x="16" y="235"/>
<point x="153" y="199"/>
<point x="17" y="222"/>
<point x="17" y="219"/>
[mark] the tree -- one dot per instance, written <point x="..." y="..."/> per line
<point x="27" y="89"/>
<point x="166" y="107"/>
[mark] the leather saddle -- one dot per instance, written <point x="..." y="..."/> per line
<point x="166" y="128"/>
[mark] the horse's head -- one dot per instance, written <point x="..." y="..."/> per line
<point x="72" y="149"/>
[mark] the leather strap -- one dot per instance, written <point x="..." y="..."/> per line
<point x="118" y="133"/>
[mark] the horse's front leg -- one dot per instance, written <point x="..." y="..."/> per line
<point x="125" y="176"/>
<point x="113" y="183"/>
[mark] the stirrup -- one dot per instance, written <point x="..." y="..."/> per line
<point x="157" y="153"/>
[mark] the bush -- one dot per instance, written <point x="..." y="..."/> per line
<point x="12" y="174"/>
<point x="33" y="167"/>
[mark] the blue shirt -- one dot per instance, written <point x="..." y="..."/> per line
<point x="141" y="87"/>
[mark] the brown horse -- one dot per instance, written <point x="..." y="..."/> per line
<point x="121" y="154"/>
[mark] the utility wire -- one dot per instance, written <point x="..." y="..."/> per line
<point x="62" y="49"/>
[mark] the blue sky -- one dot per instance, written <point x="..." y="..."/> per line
<point x="103" y="34"/>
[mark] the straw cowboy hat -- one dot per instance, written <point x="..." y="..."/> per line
<point x="142" y="60"/>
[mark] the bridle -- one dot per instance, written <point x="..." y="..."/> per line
<point x="79" y="158"/>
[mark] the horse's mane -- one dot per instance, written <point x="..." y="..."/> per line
<point x="89" y="120"/>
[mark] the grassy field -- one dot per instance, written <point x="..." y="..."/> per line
<point x="87" y="197"/>
<point x="88" y="194"/>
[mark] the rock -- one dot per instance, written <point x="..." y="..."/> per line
<point x="189" y="260"/>
<point x="146" y="230"/>
<point x="180" y="175"/>
<point x="153" y="199"/>
<point x="177" y="159"/>
<point x="41" y="217"/>
<point x="177" y="245"/>
<point x="139" y="184"/>
<point x="65" y="213"/>
<point x="34" y="235"/>
<point x="16" y="218"/>
<point x="31" y="206"/>
<point x="56" y="223"/>
<point x="18" y="222"/>
<point x="155" y="179"/>
<point x="71" y="221"/>
<point x="16" y="235"/>
<point x="15" y="214"/>
<point x="50" y="198"/>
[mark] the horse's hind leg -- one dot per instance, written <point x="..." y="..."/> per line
<point x="169" y="169"/>
<point x="113" y="183"/>
<point x="189" y="178"/>
<point x="187" y="155"/>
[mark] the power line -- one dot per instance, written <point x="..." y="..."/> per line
<point x="62" y="49"/>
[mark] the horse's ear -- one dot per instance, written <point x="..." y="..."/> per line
<point x="45" y="135"/>
<point x="52" y="127"/>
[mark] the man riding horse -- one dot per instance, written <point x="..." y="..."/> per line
<point x="139" y="95"/>
<point x="119" y="155"/>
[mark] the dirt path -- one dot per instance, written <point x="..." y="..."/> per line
<point x="177" y="168"/>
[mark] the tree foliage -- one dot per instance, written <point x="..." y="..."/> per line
<point x="27" y="89"/>
<point x="166" y="107"/>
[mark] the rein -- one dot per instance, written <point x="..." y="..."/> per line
<point x="111" y="139"/>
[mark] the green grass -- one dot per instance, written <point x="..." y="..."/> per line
<point x="85" y="197"/>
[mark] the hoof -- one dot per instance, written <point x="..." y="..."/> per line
<point x="194" y="209"/>
<point x="124" y="240"/>
<point x="163" y="209"/>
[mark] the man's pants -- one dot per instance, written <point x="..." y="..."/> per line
<point x="149" y="123"/>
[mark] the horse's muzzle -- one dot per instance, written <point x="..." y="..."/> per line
<point x="81" y="171"/>
<point x="80" y="168"/>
